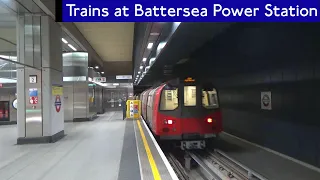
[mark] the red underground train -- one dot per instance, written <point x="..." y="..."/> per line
<point x="182" y="111"/>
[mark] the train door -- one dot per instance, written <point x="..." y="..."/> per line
<point x="190" y="103"/>
<point x="4" y="111"/>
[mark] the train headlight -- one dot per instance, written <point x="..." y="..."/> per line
<point x="209" y="120"/>
<point x="168" y="121"/>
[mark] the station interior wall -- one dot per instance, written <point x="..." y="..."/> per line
<point x="283" y="59"/>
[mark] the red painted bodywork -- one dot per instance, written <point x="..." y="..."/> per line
<point x="187" y="125"/>
<point x="198" y="125"/>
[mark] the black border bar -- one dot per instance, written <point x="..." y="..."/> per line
<point x="59" y="11"/>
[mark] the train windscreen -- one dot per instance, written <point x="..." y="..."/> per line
<point x="169" y="98"/>
<point x="210" y="98"/>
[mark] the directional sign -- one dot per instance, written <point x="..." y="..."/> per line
<point x="99" y="79"/>
<point x="266" y="100"/>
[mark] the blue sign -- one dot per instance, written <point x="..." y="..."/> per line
<point x="33" y="92"/>
<point x="188" y="11"/>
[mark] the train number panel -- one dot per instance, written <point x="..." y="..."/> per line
<point x="183" y="111"/>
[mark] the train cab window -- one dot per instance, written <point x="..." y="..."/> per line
<point x="210" y="99"/>
<point x="190" y="98"/>
<point x="169" y="99"/>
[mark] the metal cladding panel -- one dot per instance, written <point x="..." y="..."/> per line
<point x="52" y="33"/>
<point x="68" y="100"/>
<point x="98" y="99"/>
<point x="81" y="100"/>
<point x="33" y="112"/>
<point x="75" y="64"/>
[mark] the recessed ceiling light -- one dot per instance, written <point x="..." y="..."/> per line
<point x="154" y="34"/>
<point x="141" y="67"/>
<point x="150" y="45"/>
<point x="72" y="47"/>
<point x="144" y="59"/>
<point x="139" y="72"/>
<point x="102" y="72"/>
<point x="97" y="67"/>
<point x="63" y="40"/>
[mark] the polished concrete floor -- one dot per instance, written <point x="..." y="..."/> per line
<point x="84" y="154"/>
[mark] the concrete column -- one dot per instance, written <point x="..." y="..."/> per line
<point x="39" y="84"/>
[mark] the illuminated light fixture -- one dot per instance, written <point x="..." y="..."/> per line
<point x="72" y="47"/>
<point x="102" y="72"/>
<point x="139" y="72"/>
<point x="115" y="84"/>
<point x="144" y="59"/>
<point x="209" y="120"/>
<point x="154" y="34"/>
<point x="65" y="41"/>
<point x="141" y="67"/>
<point x="170" y="122"/>
<point x="150" y="45"/>
<point x="97" y="67"/>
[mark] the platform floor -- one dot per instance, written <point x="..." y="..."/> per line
<point x="266" y="163"/>
<point x="102" y="149"/>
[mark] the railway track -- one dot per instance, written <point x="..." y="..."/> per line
<point x="210" y="165"/>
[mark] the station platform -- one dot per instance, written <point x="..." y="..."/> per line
<point x="270" y="164"/>
<point x="107" y="148"/>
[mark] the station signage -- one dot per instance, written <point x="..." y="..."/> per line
<point x="124" y="77"/>
<point x="99" y="79"/>
<point x="33" y="96"/>
<point x="266" y="103"/>
<point x="15" y="104"/>
<point x="189" y="79"/>
<point x="33" y="79"/>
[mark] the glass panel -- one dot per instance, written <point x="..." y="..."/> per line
<point x="169" y="99"/>
<point x="190" y="98"/>
<point x="210" y="99"/>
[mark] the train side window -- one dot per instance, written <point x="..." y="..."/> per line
<point x="190" y="98"/>
<point x="210" y="99"/>
<point x="169" y="99"/>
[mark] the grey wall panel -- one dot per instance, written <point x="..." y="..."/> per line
<point x="68" y="100"/>
<point x="281" y="58"/>
<point x="81" y="100"/>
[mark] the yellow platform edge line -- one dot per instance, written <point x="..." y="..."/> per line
<point x="153" y="165"/>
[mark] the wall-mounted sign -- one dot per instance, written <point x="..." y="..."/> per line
<point x="124" y="77"/>
<point x="33" y="79"/>
<point x="33" y="96"/>
<point x="15" y="104"/>
<point x="57" y="103"/>
<point x="189" y="79"/>
<point x="57" y="90"/>
<point x="33" y="92"/>
<point x="33" y="99"/>
<point x="99" y="79"/>
<point x="266" y="100"/>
